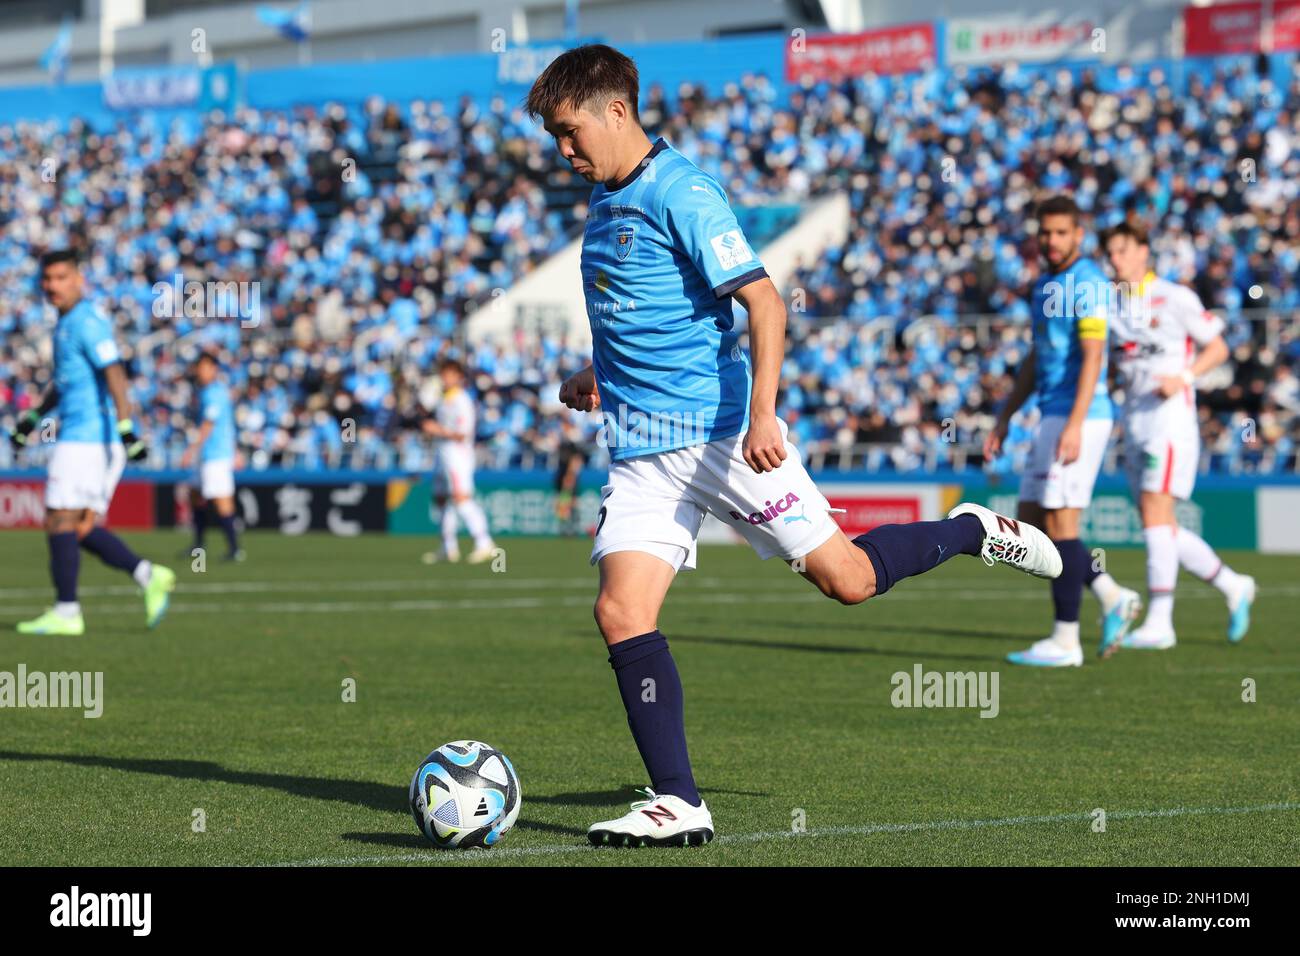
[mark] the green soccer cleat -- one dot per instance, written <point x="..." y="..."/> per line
<point x="158" y="594"/>
<point x="52" y="622"/>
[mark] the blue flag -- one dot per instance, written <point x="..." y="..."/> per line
<point x="292" y="24"/>
<point x="55" y="58"/>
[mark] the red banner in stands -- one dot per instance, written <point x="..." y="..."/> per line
<point x="1222" y="28"/>
<point x="902" y="49"/>
<point x="1286" y="26"/>
<point x="22" y="505"/>
<point x="864" y="512"/>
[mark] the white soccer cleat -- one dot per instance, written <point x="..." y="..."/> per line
<point x="479" y="555"/>
<point x="657" y="821"/>
<point x="440" y="557"/>
<point x="1149" y="639"/>
<point x="1014" y="543"/>
<point x="1048" y="653"/>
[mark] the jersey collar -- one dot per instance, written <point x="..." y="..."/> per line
<point x="1147" y="279"/>
<point x="659" y="146"/>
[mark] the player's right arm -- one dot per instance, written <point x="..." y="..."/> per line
<point x="1020" y="393"/>
<point x="579" y="391"/>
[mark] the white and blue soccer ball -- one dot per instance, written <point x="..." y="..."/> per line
<point x="465" y="794"/>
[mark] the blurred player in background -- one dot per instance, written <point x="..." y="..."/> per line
<point x="214" y="452"/>
<point x="453" y="479"/>
<point x="690" y="429"/>
<point x="1065" y="371"/>
<point x="573" y="458"/>
<point x="96" y="436"/>
<point x="1155" y="334"/>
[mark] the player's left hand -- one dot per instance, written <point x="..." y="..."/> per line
<point x="1068" y="445"/>
<point x="187" y="457"/>
<point x="136" y="450"/>
<point x="764" y="446"/>
<point x="1170" y="385"/>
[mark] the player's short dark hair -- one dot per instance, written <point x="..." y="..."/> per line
<point x="1132" y="230"/>
<point x="1061" y="205"/>
<point x="55" y="256"/>
<point x="585" y="76"/>
<point x="453" y="364"/>
<point x="206" y="356"/>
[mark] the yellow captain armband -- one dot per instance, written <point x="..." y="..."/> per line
<point x="1093" y="327"/>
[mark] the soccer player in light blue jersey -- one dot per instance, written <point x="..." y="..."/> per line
<point x="95" y="437"/>
<point x="1066" y="374"/>
<point x="690" y="428"/>
<point x="214" y="453"/>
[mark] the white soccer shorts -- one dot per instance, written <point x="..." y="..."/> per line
<point x="1162" y="448"/>
<point x="656" y="503"/>
<point x="217" y="479"/>
<point x="453" y="476"/>
<point x="83" y="475"/>
<point x="1053" y="485"/>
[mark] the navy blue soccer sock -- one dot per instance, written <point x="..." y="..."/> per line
<point x="200" y="523"/>
<point x="899" y="551"/>
<point x="228" y="526"/>
<point x="652" y="695"/>
<point x="1067" y="590"/>
<point x="65" y="562"/>
<point x="111" y="549"/>
<point x="1090" y="571"/>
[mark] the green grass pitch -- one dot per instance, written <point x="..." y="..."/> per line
<point x="234" y="707"/>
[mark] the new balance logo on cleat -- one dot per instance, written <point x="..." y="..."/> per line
<point x="659" y="814"/>
<point x="1014" y="543"/>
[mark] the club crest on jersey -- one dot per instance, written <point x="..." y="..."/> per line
<point x="623" y="237"/>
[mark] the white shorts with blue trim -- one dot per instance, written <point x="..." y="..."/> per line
<point x="656" y="503"/>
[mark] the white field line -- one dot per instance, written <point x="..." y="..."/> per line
<point x="183" y="605"/>
<point x="685" y="597"/>
<point x="432" y="855"/>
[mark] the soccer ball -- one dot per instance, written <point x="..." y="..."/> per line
<point x="465" y="794"/>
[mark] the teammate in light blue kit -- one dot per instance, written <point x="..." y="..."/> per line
<point x="86" y="462"/>
<point x="690" y="430"/>
<point x="1066" y="374"/>
<point x="215" y="452"/>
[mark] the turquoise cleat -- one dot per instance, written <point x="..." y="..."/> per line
<point x="1117" y="620"/>
<point x="1047" y="653"/>
<point x="1239" y="610"/>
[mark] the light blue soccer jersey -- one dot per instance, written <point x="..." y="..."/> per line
<point x="661" y="256"/>
<point x="216" y="407"/>
<point x="83" y="348"/>
<point x="1068" y="307"/>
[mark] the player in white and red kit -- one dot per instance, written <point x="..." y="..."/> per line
<point x="1162" y="339"/>
<point x="453" y="480"/>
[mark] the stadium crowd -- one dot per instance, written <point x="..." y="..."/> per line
<point x="358" y="237"/>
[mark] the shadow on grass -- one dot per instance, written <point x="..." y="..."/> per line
<point x="907" y="655"/>
<point x="383" y="797"/>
